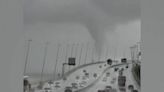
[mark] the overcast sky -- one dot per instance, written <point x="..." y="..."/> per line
<point x="106" y="23"/>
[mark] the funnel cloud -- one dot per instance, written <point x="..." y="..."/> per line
<point x="95" y="15"/>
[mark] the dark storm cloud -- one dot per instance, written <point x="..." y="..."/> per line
<point x="96" y="15"/>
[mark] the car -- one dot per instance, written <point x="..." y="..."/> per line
<point x="114" y="78"/>
<point x="127" y="66"/>
<point x="50" y="82"/>
<point x="120" y="73"/>
<point x="107" y="74"/>
<point x="131" y="87"/>
<point x="87" y="75"/>
<point x="123" y="60"/>
<point x="122" y="89"/>
<point x="110" y="90"/>
<point x="64" y="78"/>
<point x="81" y="85"/>
<point x="68" y="89"/>
<point x="113" y="90"/>
<point x="109" y="61"/>
<point x="84" y="77"/>
<point x="108" y="87"/>
<point x="95" y="75"/>
<point x="115" y="69"/>
<point x="122" y="69"/>
<point x="84" y="71"/>
<point x="77" y="77"/>
<point x="104" y="79"/>
<point x="121" y="81"/>
<point x="101" y="91"/>
<point x="135" y="91"/>
<point x="112" y="82"/>
<point x="74" y="85"/>
<point x="57" y="83"/>
<point x="47" y="89"/>
<point x="57" y="86"/>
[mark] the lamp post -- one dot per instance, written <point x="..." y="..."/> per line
<point x="86" y="53"/>
<point x="44" y="60"/>
<point x="56" y="61"/>
<point x="66" y="57"/>
<point x="80" y="53"/>
<point x="27" y="55"/>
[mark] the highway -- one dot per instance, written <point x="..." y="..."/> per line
<point x="91" y="83"/>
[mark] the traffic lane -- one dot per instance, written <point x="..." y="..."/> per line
<point x="92" y="86"/>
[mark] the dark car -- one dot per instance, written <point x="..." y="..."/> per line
<point x="47" y="89"/>
<point x="120" y="73"/>
<point x="109" y="61"/>
<point x="95" y="75"/>
<point x="84" y="71"/>
<point x="108" y="87"/>
<point x="127" y="66"/>
<point x="101" y="91"/>
<point x="122" y="89"/>
<point x="115" y="69"/>
<point x="131" y="87"/>
<point x="121" y="81"/>
<point x="87" y="75"/>
<point x="68" y="89"/>
<point x="122" y="69"/>
<point x="135" y="91"/>
<point x="123" y="60"/>
<point x="74" y="85"/>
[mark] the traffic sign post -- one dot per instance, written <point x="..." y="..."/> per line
<point x="71" y="62"/>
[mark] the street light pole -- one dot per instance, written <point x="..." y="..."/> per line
<point x="27" y="55"/>
<point x="76" y="51"/>
<point x="63" y="67"/>
<point x="86" y="53"/>
<point x="56" y="62"/>
<point x="107" y="53"/>
<point x="80" y="53"/>
<point x="44" y="61"/>
<point x="93" y="55"/>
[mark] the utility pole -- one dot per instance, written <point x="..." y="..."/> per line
<point x="56" y="62"/>
<point x="44" y="60"/>
<point x="66" y="56"/>
<point x="66" y="59"/>
<point x="124" y="53"/>
<point x="27" y="56"/>
<point x="76" y="51"/>
<point x="86" y="53"/>
<point x="80" y="53"/>
<point x="93" y="55"/>
<point x="107" y="51"/>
